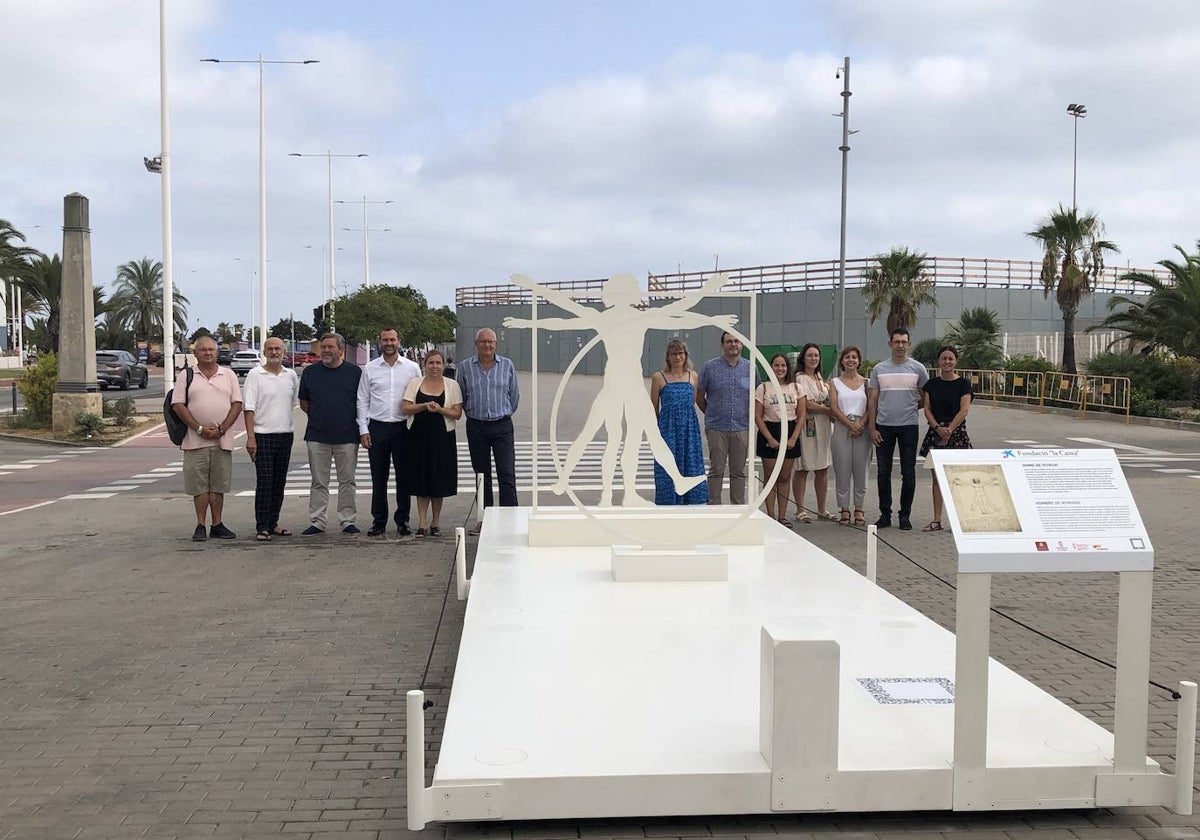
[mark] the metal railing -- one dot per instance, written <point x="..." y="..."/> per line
<point x="951" y="272"/>
<point x="1079" y="390"/>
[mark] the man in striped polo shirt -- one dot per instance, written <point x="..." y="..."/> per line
<point x="894" y="394"/>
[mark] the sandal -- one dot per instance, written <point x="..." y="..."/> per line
<point x="420" y="533"/>
<point x="281" y="532"/>
<point x="783" y="521"/>
<point x="859" y="519"/>
<point x="844" y="519"/>
<point x="803" y="516"/>
<point x="435" y="531"/>
<point x="263" y="536"/>
<point x="935" y="525"/>
<point x="824" y="514"/>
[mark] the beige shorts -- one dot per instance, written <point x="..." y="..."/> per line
<point x="207" y="470"/>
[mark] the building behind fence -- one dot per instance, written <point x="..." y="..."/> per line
<point x="798" y="303"/>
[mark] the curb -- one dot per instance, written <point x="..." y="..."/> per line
<point x="1107" y="417"/>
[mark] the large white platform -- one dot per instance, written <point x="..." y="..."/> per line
<point x="578" y="696"/>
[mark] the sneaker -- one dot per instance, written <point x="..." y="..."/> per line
<point x="200" y="534"/>
<point x="376" y="531"/>
<point x="351" y="529"/>
<point x="220" y="532"/>
<point x="905" y="523"/>
<point x="312" y="531"/>
<point x="405" y="531"/>
<point x="883" y="522"/>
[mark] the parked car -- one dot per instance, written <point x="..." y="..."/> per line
<point x="120" y="369"/>
<point x="224" y="356"/>
<point x="302" y="357"/>
<point x="245" y="361"/>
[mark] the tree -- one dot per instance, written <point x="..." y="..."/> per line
<point x="137" y="302"/>
<point x="286" y="328"/>
<point x="1074" y="256"/>
<point x="899" y="283"/>
<point x="1169" y="317"/>
<point x="198" y="334"/>
<point x="41" y="289"/>
<point x="362" y="315"/>
<point x="111" y="334"/>
<point x="977" y="338"/>
<point x="15" y="259"/>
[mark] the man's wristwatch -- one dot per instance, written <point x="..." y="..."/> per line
<point x="200" y="429"/>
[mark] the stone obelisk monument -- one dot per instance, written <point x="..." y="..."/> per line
<point x="78" y="389"/>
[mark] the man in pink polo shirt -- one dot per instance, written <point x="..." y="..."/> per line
<point x="213" y="403"/>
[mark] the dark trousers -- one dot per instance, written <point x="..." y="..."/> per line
<point x="906" y="436"/>
<point x="387" y="452"/>
<point x="494" y="438"/>
<point x="270" y="471"/>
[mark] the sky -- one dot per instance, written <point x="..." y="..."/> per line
<point x="574" y="140"/>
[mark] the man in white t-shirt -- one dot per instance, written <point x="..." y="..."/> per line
<point x="270" y="394"/>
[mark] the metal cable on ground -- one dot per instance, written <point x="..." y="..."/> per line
<point x="1175" y="695"/>
<point x="445" y="600"/>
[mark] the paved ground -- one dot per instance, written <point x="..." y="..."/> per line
<point x="153" y="687"/>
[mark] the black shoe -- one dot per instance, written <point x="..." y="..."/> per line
<point x="200" y="534"/>
<point x="905" y="523"/>
<point x="404" y="531"/>
<point x="351" y="529"/>
<point x="883" y="522"/>
<point x="376" y="531"/>
<point x="312" y="531"/>
<point x="220" y="532"/>
<point x="435" y="531"/>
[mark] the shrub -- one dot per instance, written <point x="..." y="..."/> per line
<point x="1160" y="378"/>
<point x="88" y="424"/>
<point x="1143" y="404"/>
<point x="121" y="410"/>
<point x="865" y="366"/>
<point x="926" y="351"/>
<point x="1031" y="363"/>
<point x="37" y="387"/>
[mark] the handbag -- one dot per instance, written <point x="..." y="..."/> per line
<point x="176" y="428"/>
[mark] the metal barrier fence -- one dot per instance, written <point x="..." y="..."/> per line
<point x="962" y="272"/>
<point x="1080" y="390"/>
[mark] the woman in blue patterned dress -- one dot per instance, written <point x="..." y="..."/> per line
<point x="673" y="392"/>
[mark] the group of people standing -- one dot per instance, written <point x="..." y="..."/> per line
<point x="404" y="414"/>
<point x="812" y="425"/>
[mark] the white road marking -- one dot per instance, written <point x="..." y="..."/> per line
<point x="17" y="466"/>
<point x="84" y="496"/>
<point x="111" y="487"/>
<point x="1123" y="446"/>
<point x="27" y="507"/>
<point x="1176" y="471"/>
<point x="39" y="461"/>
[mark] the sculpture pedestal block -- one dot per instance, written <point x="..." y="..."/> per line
<point x="66" y="406"/>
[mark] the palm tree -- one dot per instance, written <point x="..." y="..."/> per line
<point x="901" y="284"/>
<point x="1074" y="256"/>
<point x="977" y="337"/>
<point x="1169" y="317"/>
<point x="137" y="300"/>
<point x="14" y="258"/>
<point x="41" y="290"/>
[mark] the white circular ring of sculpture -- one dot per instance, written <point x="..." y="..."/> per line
<point x="706" y="538"/>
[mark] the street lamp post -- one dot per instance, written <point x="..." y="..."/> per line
<point x="262" y="174"/>
<point x="843" y="72"/>
<point x="365" y="229"/>
<point x="1078" y="112"/>
<point x="254" y="275"/>
<point x="162" y="165"/>
<point x="324" y="278"/>
<point x="329" y="155"/>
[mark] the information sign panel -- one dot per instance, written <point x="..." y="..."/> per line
<point x="1041" y="510"/>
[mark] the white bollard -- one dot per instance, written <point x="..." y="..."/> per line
<point x="415" y="744"/>
<point x="872" y="551"/>
<point x="460" y="563"/>
<point x="479" y="499"/>
<point x="1185" y="748"/>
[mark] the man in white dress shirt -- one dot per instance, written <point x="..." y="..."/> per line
<point x="268" y="398"/>
<point x="382" y="428"/>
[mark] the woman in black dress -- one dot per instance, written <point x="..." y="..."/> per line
<point x="947" y="401"/>
<point x="433" y="404"/>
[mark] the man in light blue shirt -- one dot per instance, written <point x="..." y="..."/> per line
<point x="723" y="394"/>
<point x="490" y="398"/>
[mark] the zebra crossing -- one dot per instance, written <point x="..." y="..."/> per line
<point x="586" y="476"/>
